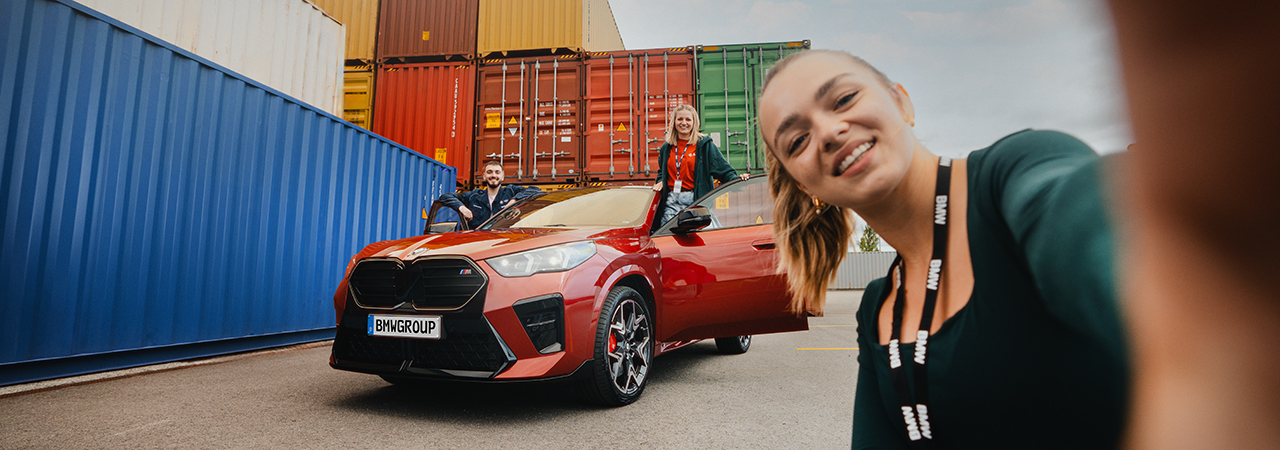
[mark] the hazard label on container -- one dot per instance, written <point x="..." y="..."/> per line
<point x="722" y="202"/>
<point x="513" y="120"/>
<point x="601" y="127"/>
<point x="621" y="127"/>
<point x="513" y="130"/>
<point x="493" y="120"/>
<point x="441" y="154"/>
<point x="759" y="219"/>
<point x="426" y="35"/>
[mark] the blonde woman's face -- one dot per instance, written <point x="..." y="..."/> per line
<point x="684" y="123"/>
<point x="837" y="129"/>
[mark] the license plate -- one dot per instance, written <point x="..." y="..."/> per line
<point x="417" y="327"/>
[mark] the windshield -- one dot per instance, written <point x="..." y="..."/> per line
<point x="578" y="208"/>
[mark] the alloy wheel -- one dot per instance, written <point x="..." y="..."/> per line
<point x="630" y="346"/>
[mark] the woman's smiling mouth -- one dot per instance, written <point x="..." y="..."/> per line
<point x="855" y="156"/>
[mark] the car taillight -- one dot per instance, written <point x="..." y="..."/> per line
<point x="543" y="320"/>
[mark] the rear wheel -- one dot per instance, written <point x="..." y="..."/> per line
<point x="734" y="345"/>
<point x="623" y="349"/>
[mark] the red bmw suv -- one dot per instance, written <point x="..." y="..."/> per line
<point x="578" y="284"/>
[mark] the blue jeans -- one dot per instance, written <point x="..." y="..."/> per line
<point x="676" y="201"/>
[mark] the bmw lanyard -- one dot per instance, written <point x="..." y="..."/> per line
<point x="680" y="163"/>
<point x="915" y="414"/>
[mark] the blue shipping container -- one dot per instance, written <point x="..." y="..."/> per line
<point x="157" y="206"/>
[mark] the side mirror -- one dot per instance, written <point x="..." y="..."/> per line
<point x="692" y="218"/>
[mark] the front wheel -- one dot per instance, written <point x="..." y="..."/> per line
<point x="623" y="349"/>
<point x="736" y="345"/>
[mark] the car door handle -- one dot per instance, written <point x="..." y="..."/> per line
<point x="764" y="244"/>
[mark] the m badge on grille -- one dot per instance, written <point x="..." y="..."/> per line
<point x="465" y="272"/>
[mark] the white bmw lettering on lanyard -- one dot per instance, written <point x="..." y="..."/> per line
<point x="915" y="412"/>
<point x="679" y="164"/>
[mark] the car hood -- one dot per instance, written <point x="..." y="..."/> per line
<point x="483" y="244"/>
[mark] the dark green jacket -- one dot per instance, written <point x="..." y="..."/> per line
<point x="707" y="164"/>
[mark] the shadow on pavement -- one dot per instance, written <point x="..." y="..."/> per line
<point x="490" y="403"/>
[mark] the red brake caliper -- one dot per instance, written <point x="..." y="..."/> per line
<point x="613" y="343"/>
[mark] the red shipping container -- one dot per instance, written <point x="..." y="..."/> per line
<point x="426" y="28"/>
<point x="628" y="97"/>
<point x="528" y="117"/>
<point x="428" y="108"/>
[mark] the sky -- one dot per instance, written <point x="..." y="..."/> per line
<point x="976" y="70"/>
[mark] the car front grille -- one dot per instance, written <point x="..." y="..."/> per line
<point x="443" y="283"/>
<point x="374" y="282"/>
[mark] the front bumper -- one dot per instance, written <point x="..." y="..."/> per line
<point x="499" y="334"/>
<point x="469" y="348"/>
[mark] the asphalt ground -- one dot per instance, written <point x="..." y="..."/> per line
<point x="791" y="390"/>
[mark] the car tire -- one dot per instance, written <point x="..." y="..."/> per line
<point x="736" y="345"/>
<point x="623" y="350"/>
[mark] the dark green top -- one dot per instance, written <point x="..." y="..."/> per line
<point x="1036" y="359"/>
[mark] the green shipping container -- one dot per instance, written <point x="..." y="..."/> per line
<point x="729" y="80"/>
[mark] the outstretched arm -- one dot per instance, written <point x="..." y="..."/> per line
<point x="525" y="191"/>
<point x="1201" y="213"/>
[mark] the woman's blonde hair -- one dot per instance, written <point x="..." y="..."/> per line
<point x="811" y="240"/>
<point x="694" y="135"/>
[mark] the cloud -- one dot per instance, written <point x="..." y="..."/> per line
<point x="1020" y="22"/>
<point x="770" y="16"/>
<point x="976" y="72"/>
<point x="877" y="48"/>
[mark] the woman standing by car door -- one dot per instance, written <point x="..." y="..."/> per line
<point x="997" y="326"/>
<point x="697" y="161"/>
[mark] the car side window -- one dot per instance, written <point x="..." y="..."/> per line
<point x="740" y="204"/>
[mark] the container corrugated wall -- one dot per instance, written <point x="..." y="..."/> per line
<point x="289" y="45"/>
<point x="570" y="25"/>
<point x="421" y="28"/>
<point x="529" y="118"/>
<point x="429" y="108"/>
<point x="859" y="268"/>
<point x="156" y="207"/>
<point x="357" y="95"/>
<point x="628" y="97"/>
<point x="361" y="19"/>
<point x="730" y="78"/>
<point x="599" y="28"/>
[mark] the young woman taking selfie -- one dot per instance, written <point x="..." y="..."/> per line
<point x="997" y="327"/>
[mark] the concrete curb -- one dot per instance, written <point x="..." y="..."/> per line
<point x="59" y="383"/>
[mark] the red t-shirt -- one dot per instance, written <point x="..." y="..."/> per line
<point x="682" y="166"/>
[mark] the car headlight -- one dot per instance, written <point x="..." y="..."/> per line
<point x="557" y="258"/>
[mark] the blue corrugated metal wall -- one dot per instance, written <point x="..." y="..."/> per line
<point x="157" y="206"/>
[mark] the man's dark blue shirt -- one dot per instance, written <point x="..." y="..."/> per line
<point x="478" y="201"/>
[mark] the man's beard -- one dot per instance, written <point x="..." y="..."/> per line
<point x="493" y="183"/>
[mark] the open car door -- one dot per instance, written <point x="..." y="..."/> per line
<point x="720" y="279"/>
<point x="443" y="219"/>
